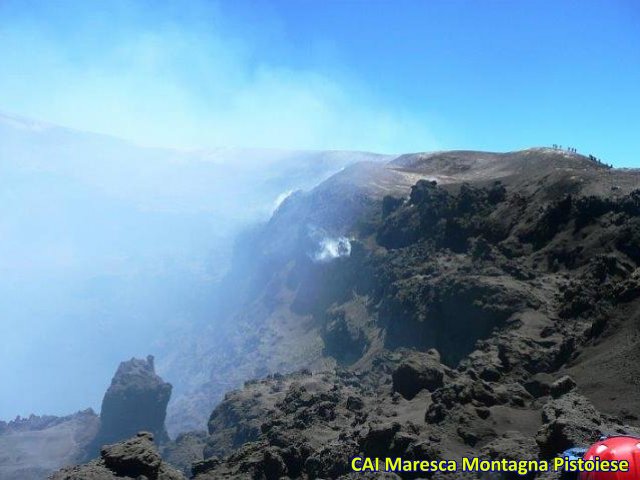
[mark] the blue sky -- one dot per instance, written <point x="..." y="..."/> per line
<point x="390" y="76"/>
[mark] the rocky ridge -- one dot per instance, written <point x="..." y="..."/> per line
<point x="32" y="447"/>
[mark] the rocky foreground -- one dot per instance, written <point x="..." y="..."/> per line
<point x="490" y="309"/>
<point x="136" y="458"/>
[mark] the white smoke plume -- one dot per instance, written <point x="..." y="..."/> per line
<point x="332" y="248"/>
<point x="280" y="200"/>
<point x="327" y="247"/>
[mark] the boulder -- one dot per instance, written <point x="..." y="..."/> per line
<point x="568" y="421"/>
<point x="562" y="386"/>
<point x="135" y="458"/>
<point x="418" y="371"/>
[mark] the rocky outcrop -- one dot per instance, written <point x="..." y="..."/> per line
<point x="135" y="401"/>
<point x="136" y="458"/>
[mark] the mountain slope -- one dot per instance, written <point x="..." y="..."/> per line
<point x="448" y="328"/>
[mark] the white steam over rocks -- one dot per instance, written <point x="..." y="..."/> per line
<point x="328" y="247"/>
<point x="331" y="248"/>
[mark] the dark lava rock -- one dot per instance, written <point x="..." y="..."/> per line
<point x="204" y="465"/>
<point x="136" y="401"/>
<point x="568" y="421"/>
<point x="561" y="386"/>
<point x="539" y="385"/>
<point x="355" y="403"/>
<point x="186" y="450"/>
<point x="512" y="446"/>
<point x="133" y="457"/>
<point x="417" y="372"/>
<point x="136" y="458"/>
<point x="274" y="465"/>
<point x="483" y="412"/>
<point x="379" y="438"/>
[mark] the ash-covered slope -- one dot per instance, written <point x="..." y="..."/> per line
<point x="451" y="327"/>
